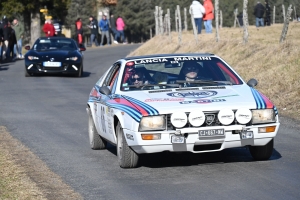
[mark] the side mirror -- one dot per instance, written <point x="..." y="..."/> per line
<point x="105" y="90"/>
<point x="252" y="82"/>
<point x="27" y="47"/>
<point x="82" y="47"/>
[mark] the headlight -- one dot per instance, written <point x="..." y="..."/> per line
<point x="72" y="58"/>
<point x="152" y="123"/>
<point x="263" y="116"/>
<point x="33" y="58"/>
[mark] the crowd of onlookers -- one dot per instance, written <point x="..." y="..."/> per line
<point x="11" y="36"/>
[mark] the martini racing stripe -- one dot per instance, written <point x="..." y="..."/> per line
<point x="135" y="114"/>
<point x="262" y="102"/>
<point x="150" y="110"/>
<point x="125" y="102"/>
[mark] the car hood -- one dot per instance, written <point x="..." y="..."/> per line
<point x="53" y="53"/>
<point x="206" y="99"/>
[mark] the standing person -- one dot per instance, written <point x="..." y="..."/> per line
<point x="120" y="28"/>
<point x="197" y="10"/>
<point x="94" y="31"/>
<point x="48" y="29"/>
<point x="104" y="27"/>
<point x="79" y="30"/>
<point x="259" y="11"/>
<point x="19" y="31"/>
<point x="1" y="39"/>
<point x="113" y="28"/>
<point x="5" y="31"/>
<point x="268" y="14"/>
<point x="208" y="16"/>
<point x="57" y="27"/>
<point x="12" y="41"/>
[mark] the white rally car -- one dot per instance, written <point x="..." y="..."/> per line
<point x="178" y="103"/>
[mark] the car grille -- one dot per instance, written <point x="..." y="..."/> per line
<point x="214" y="122"/>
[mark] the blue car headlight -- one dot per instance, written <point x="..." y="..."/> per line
<point x="72" y="58"/>
<point x="33" y="58"/>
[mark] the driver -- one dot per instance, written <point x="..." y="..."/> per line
<point x="137" y="79"/>
<point x="191" y="72"/>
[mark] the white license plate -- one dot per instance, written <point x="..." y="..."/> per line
<point x="52" y="64"/>
<point x="177" y="139"/>
<point x="211" y="132"/>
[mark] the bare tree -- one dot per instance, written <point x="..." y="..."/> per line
<point x="185" y="20"/>
<point x="156" y="21"/>
<point x="286" y="24"/>
<point x="283" y="12"/>
<point x="179" y="25"/>
<point x="245" y="21"/>
<point x="217" y="20"/>
<point x="236" y="18"/>
<point x="194" y="26"/>
<point x="221" y="19"/>
<point x="161" y="21"/>
<point x="169" y="24"/>
<point x="274" y="14"/>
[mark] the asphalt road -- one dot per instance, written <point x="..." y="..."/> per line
<point x="47" y="114"/>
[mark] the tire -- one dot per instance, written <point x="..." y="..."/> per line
<point x="80" y="72"/>
<point x="262" y="152"/>
<point x="126" y="156"/>
<point x="96" y="142"/>
<point x="26" y="73"/>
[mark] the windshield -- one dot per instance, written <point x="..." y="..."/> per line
<point x="177" y="72"/>
<point x="54" y="44"/>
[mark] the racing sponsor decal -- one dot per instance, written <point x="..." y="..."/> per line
<point x="197" y="94"/>
<point x="203" y="101"/>
<point x="133" y="107"/>
<point x="129" y="137"/>
<point x="164" y="99"/>
<point x="262" y="102"/>
<point x="171" y="60"/>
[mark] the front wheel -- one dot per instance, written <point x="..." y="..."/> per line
<point x="126" y="156"/>
<point x="262" y="152"/>
<point x="96" y="142"/>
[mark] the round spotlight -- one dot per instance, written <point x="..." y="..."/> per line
<point x="226" y="116"/>
<point x="243" y="115"/>
<point x="196" y="118"/>
<point x="179" y="119"/>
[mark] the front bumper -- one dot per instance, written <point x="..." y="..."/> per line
<point x="194" y="144"/>
<point x="65" y="68"/>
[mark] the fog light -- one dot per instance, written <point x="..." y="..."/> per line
<point x="151" y="136"/>
<point x="246" y="134"/>
<point x="267" y="129"/>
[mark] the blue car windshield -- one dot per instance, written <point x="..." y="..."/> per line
<point x="174" y="72"/>
<point x="54" y="44"/>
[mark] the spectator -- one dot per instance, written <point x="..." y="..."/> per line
<point x="48" y="29"/>
<point x="113" y="29"/>
<point x="57" y="27"/>
<point x="19" y="31"/>
<point x="94" y="31"/>
<point x="12" y="41"/>
<point x="1" y="39"/>
<point x="79" y="30"/>
<point x="104" y="27"/>
<point x="268" y="14"/>
<point x="208" y="16"/>
<point x="259" y="11"/>
<point x="197" y="10"/>
<point x="120" y="28"/>
<point x="5" y="31"/>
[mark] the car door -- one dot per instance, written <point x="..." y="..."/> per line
<point x="105" y="119"/>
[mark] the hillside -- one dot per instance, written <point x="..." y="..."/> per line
<point x="275" y="65"/>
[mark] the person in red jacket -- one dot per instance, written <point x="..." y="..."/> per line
<point x="48" y="29"/>
<point x="208" y="16"/>
<point x="79" y="30"/>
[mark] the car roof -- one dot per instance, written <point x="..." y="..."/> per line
<point x="168" y="55"/>
<point x="41" y="38"/>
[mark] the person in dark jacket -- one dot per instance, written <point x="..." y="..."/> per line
<point x="113" y="28"/>
<point x="94" y="31"/>
<point x="5" y="32"/>
<point x="268" y="14"/>
<point x="79" y="30"/>
<point x="1" y="39"/>
<point x="259" y="12"/>
<point x="12" y="41"/>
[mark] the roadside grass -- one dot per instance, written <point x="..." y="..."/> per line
<point x="23" y="176"/>
<point x="275" y="65"/>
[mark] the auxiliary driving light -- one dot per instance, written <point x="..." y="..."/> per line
<point x="246" y="134"/>
<point x="243" y="115"/>
<point x="226" y="116"/>
<point x="196" y="118"/>
<point x="179" y="119"/>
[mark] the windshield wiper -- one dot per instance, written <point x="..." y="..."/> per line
<point x="153" y="85"/>
<point x="205" y="82"/>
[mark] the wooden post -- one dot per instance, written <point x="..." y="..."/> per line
<point x="245" y="21"/>
<point x="185" y="20"/>
<point x="286" y="24"/>
<point x="283" y="13"/>
<point x="179" y="25"/>
<point x="221" y="19"/>
<point x="194" y="26"/>
<point x="150" y="33"/>
<point x="169" y="24"/>
<point x="176" y="20"/>
<point x="235" y="18"/>
<point x="217" y="20"/>
<point x="156" y="21"/>
<point x="274" y="15"/>
<point x="165" y="24"/>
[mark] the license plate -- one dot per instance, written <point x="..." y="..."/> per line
<point x="211" y="132"/>
<point x="52" y="64"/>
<point x="177" y="139"/>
